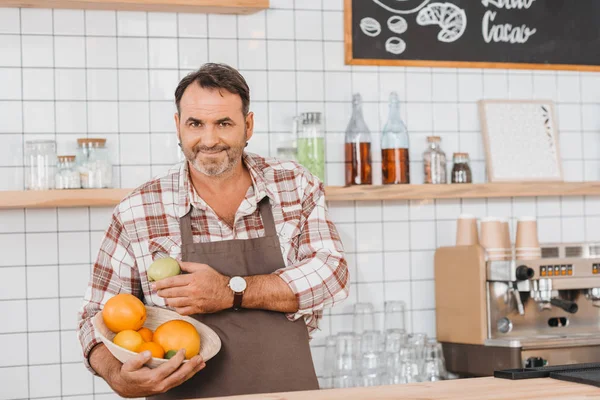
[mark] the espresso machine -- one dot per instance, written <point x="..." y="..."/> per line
<point x="495" y="315"/>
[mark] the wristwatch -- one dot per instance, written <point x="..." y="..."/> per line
<point x="238" y="285"/>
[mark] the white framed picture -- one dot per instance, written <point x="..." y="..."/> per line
<point x="520" y="138"/>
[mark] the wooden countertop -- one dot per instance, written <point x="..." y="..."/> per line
<point x="460" y="389"/>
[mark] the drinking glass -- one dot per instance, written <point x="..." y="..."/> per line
<point x="435" y="364"/>
<point x="418" y="342"/>
<point x="347" y="352"/>
<point x="364" y="318"/>
<point x="329" y="364"/>
<point x="372" y="359"/>
<point x="410" y="371"/>
<point x="395" y="312"/>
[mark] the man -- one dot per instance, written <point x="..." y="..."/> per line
<point x="261" y="259"/>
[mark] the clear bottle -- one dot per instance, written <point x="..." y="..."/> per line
<point x="461" y="171"/>
<point x="40" y="164"/>
<point x="93" y="163"/>
<point x="434" y="161"/>
<point x="394" y="146"/>
<point x="311" y="144"/>
<point x="67" y="175"/>
<point x="358" y="147"/>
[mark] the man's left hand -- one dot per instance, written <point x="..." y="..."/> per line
<point x="201" y="291"/>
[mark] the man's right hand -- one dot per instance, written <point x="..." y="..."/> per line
<point x="133" y="379"/>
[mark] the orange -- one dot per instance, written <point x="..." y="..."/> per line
<point x="154" y="348"/>
<point x="124" y="311"/>
<point x="177" y="334"/>
<point x="146" y="334"/>
<point x="130" y="340"/>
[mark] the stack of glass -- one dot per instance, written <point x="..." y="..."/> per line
<point x="371" y="357"/>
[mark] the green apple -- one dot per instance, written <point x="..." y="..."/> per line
<point x="163" y="268"/>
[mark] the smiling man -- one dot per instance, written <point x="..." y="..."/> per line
<point x="261" y="259"/>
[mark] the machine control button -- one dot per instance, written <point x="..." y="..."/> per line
<point x="504" y="325"/>
<point x="535" y="362"/>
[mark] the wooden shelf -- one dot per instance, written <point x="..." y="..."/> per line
<point x="111" y="197"/>
<point x="464" y="191"/>
<point x="191" y="6"/>
<point x="62" y="198"/>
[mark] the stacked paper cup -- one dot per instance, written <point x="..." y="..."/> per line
<point x="527" y="246"/>
<point x="466" y="230"/>
<point x="495" y="238"/>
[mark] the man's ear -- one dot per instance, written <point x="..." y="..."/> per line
<point x="249" y="125"/>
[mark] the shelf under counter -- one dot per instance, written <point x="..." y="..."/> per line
<point x="111" y="197"/>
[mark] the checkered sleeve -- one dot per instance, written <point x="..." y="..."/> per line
<point x="319" y="278"/>
<point x="113" y="272"/>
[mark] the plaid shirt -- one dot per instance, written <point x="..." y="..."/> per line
<point x="146" y="223"/>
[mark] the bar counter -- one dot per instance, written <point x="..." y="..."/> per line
<point x="460" y="389"/>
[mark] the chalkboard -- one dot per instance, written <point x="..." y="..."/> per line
<point x="524" y="34"/>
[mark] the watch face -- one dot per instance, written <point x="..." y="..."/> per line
<point x="237" y="284"/>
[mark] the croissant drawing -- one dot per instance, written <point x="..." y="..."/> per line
<point x="447" y="16"/>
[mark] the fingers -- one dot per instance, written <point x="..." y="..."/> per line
<point x="185" y="372"/>
<point x="186" y="310"/>
<point x="166" y="369"/>
<point x="137" y="362"/>
<point x="191" y="266"/>
<point x="178" y="302"/>
<point x="179" y="291"/>
<point x="173" y="281"/>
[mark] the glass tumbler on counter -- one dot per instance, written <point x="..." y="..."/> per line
<point x="67" y="175"/>
<point x="394" y="146"/>
<point x="93" y="163"/>
<point x="358" y="147"/>
<point x="311" y="144"/>
<point x="461" y="171"/>
<point x="363" y="319"/>
<point x="394" y="316"/>
<point x="347" y="366"/>
<point x="434" y="161"/>
<point x="40" y="164"/>
<point x="435" y="364"/>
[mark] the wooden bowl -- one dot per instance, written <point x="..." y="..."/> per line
<point x="210" y="344"/>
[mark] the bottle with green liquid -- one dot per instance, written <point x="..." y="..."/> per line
<point x="311" y="144"/>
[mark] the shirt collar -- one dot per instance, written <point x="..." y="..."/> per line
<point x="189" y="197"/>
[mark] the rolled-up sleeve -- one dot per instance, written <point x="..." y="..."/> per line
<point x="113" y="272"/>
<point x="320" y="277"/>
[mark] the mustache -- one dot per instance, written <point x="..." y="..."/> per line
<point x="213" y="149"/>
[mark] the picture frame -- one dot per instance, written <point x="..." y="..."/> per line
<point x="520" y="139"/>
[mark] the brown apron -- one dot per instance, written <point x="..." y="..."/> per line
<point x="262" y="351"/>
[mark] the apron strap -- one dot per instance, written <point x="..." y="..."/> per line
<point x="267" y="217"/>
<point x="187" y="238"/>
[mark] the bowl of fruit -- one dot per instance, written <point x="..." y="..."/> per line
<point x="127" y="327"/>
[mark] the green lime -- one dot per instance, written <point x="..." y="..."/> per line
<point x="170" y="353"/>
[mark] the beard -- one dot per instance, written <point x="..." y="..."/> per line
<point x="216" y="160"/>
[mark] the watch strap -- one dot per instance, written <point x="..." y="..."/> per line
<point x="237" y="300"/>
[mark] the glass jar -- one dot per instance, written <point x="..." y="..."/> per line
<point x="67" y="174"/>
<point x="40" y="164"/>
<point x="394" y="146"/>
<point x="434" y="161"/>
<point x="461" y="171"/>
<point x="287" y="147"/>
<point x="358" y="147"/>
<point x="93" y="163"/>
<point x="311" y="144"/>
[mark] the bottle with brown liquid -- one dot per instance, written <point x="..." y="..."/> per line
<point x="358" y="147"/>
<point x="394" y="146"/>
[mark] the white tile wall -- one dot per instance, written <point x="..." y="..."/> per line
<point x="72" y="73"/>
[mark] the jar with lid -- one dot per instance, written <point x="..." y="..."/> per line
<point x="461" y="171"/>
<point x="311" y="144"/>
<point x="358" y="147"/>
<point x="40" y="164"/>
<point x="67" y="175"/>
<point x="434" y="161"/>
<point x="93" y="163"/>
